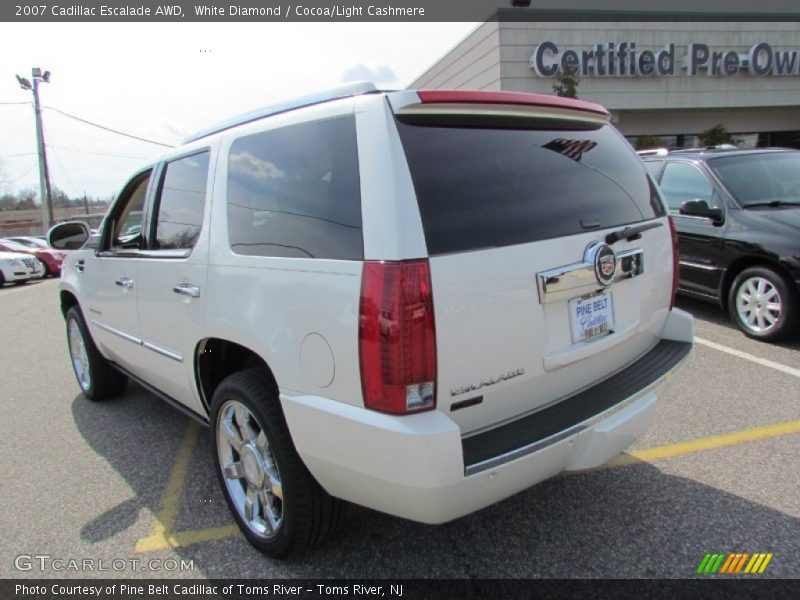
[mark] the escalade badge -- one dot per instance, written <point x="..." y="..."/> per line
<point x="604" y="261"/>
<point x="471" y="387"/>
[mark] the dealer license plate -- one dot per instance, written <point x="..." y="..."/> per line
<point x="591" y="316"/>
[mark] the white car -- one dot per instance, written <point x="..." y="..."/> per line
<point x="19" y="268"/>
<point x="30" y="241"/>
<point x="420" y="302"/>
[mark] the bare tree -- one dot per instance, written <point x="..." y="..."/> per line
<point x="5" y="182"/>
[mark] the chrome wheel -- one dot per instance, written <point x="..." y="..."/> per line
<point x="80" y="358"/>
<point x="248" y="466"/>
<point x="758" y="304"/>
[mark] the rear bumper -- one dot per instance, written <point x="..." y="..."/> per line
<point x="420" y="468"/>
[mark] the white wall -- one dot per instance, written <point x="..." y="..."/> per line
<point x="472" y="64"/>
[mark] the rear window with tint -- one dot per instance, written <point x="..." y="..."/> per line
<point x="480" y="187"/>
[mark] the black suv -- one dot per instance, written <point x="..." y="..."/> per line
<point x="738" y="218"/>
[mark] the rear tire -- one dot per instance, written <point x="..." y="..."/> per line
<point x="764" y="305"/>
<point x="274" y="499"/>
<point x="97" y="378"/>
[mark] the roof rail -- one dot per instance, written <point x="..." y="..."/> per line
<point x="653" y="152"/>
<point x="345" y="91"/>
<point x="707" y="148"/>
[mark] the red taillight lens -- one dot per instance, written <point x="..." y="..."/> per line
<point x="676" y="265"/>
<point x="397" y="337"/>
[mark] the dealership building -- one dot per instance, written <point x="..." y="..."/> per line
<point x="671" y="80"/>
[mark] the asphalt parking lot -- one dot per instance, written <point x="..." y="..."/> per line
<point x="132" y="480"/>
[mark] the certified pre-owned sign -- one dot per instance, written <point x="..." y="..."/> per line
<point x="624" y="59"/>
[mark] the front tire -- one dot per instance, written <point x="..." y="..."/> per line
<point x="763" y="304"/>
<point x="98" y="379"/>
<point x="276" y="502"/>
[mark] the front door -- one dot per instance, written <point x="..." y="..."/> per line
<point x="111" y="276"/>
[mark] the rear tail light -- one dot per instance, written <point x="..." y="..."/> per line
<point x="676" y="265"/>
<point x="397" y="337"/>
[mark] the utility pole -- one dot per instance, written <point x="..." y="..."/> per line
<point x="44" y="176"/>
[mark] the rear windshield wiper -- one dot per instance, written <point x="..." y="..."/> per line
<point x="772" y="204"/>
<point x="630" y="233"/>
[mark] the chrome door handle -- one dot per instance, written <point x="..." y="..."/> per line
<point x="125" y="282"/>
<point x="187" y="289"/>
<point x="80" y="266"/>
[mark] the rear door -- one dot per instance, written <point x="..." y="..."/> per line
<point x="516" y="215"/>
<point x="700" y="239"/>
<point x="172" y="276"/>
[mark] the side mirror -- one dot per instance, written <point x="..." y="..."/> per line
<point x="68" y="236"/>
<point x="700" y="208"/>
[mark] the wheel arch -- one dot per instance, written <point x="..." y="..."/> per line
<point x="68" y="300"/>
<point x="739" y="265"/>
<point x="217" y="358"/>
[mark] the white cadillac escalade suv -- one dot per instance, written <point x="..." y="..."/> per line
<point x="420" y="302"/>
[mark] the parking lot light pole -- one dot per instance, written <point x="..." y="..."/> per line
<point x="44" y="177"/>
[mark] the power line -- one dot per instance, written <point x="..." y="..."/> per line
<point x="115" y="155"/>
<point x="18" y="155"/>
<point x="64" y="171"/>
<point x="19" y="127"/>
<point x="135" y="137"/>
<point x="28" y="170"/>
<point x="13" y="103"/>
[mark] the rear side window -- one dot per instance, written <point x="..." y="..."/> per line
<point x="487" y="187"/>
<point x="295" y="192"/>
<point x="181" y="202"/>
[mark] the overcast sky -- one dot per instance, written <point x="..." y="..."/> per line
<point x="162" y="81"/>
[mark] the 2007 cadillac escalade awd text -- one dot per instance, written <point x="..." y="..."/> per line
<point x="419" y="302"/>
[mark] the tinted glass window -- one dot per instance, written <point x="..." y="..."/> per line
<point x="481" y="187"/>
<point x="127" y="223"/>
<point x="761" y="178"/>
<point x="682" y="182"/>
<point x="295" y="192"/>
<point x="653" y="166"/>
<point x="181" y="203"/>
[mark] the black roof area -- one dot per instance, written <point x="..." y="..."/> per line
<point x="337" y="93"/>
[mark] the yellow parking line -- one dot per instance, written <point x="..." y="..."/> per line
<point x="708" y="443"/>
<point x="162" y="536"/>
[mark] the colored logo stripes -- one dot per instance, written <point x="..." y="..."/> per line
<point x="734" y="562"/>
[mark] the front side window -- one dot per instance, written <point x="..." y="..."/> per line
<point x="761" y="178"/>
<point x="683" y="182"/>
<point x="181" y="202"/>
<point x="295" y="192"/>
<point x="126" y="220"/>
